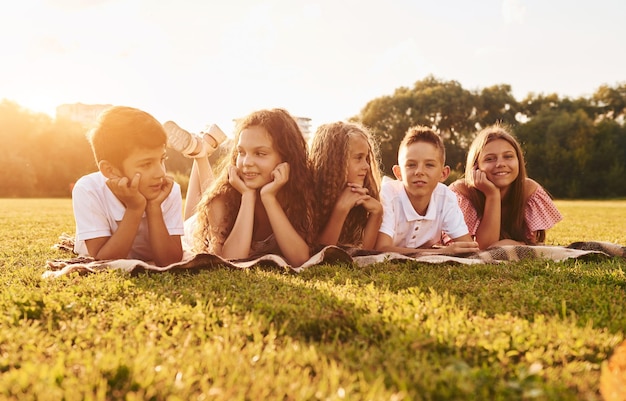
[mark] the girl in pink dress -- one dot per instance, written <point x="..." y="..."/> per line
<point x="501" y="205"/>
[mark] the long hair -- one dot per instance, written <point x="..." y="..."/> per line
<point x="329" y="162"/>
<point x="513" y="224"/>
<point x="296" y="197"/>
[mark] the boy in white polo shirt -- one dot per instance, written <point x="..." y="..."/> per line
<point x="420" y="214"/>
<point x="129" y="209"/>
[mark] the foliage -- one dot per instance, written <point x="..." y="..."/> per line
<point x="397" y="331"/>
<point x="574" y="147"/>
<point x="443" y="105"/>
<point x="43" y="157"/>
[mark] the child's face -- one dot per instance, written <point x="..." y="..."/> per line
<point x="498" y="160"/>
<point x="256" y="157"/>
<point x="150" y="164"/>
<point x="420" y="169"/>
<point x="358" y="159"/>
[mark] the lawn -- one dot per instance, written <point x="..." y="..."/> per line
<point x="532" y="330"/>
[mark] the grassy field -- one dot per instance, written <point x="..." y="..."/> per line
<point x="536" y="330"/>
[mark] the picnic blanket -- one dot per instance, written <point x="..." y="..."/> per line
<point x="330" y="255"/>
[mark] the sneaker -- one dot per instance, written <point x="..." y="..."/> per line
<point x="179" y="139"/>
<point x="213" y="138"/>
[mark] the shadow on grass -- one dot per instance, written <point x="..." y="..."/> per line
<point x="592" y="290"/>
<point x="415" y="336"/>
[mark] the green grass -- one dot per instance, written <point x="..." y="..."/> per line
<point x="536" y="330"/>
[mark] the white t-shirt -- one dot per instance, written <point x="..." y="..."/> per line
<point x="409" y="229"/>
<point x="98" y="213"/>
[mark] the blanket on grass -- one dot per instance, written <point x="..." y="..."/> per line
<point x="330" y="255"/>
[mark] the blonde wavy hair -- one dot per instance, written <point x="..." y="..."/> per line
<point x="329" y="161"/>
<point x="296" y="198"/>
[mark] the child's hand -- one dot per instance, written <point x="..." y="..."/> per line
<point x="482" y="183"/>
<point x="350" y="197"/>
<point x="166" y="189"/>
<point x="372" y="205"/>
<point x="354" y="195"/>
<point x="280" y="176"/>
<point x="235" y="180"/>
<point x="127" y="191"/>
<point x="461" y="247"/>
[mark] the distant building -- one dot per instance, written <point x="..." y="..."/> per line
<point x="86" y="114"/>
<point x="305" y="126"/>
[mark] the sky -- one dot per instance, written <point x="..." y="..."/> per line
<point x="199" y="62"/>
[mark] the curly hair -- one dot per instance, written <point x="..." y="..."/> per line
<point x="513" y="224"/>
<point x="329" y="161"/>
<point x="295" y="198"/>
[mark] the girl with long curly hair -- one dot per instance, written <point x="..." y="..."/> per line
<point x="261" y="202"/>
<point x="501" y="205"/>
<point x="346" y="175"/>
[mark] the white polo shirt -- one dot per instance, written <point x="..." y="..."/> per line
<point x="98" y="213"/>
<point x="408" y="228"/>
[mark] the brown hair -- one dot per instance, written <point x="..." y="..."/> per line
<point x="329" y="161"/>
<point x="422" y="133"/>
<point x="296" y="198"/>
<point x="120" y="130"/>
<point x="513" y="222"/>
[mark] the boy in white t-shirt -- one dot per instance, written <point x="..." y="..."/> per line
<point x="129" y="209"/>
<point x="419" y="211"/>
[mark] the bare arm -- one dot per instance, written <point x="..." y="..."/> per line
<point x="293" y="247"/>
<point x="118" y="245"/>
<point x="461" y="245"/>
<point x="384" y="243"/>
<point x="374" y="220"/>
<point x="352" y="196"/>
<point x="488" y="231"/>
<point x="332" y="231"/>
<point x="166" y="248"/>
<point x="237" y="244"/>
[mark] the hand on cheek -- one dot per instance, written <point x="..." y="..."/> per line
<point x="235" y="180"/>
<point x="482" y="183"/>
<point x="166" y="189"/>
<point x="280" y="176"/>
<point x="127" y="191"/>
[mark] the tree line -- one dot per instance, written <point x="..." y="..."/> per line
<point x="576" y="148"/>
<point x="43" y="157"/>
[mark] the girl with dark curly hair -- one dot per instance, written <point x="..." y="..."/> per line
<point x="261" y="202"/>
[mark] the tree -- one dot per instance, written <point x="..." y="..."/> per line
<point x="497" y="104"/>
<point x="556" y="145"/>
<point x="16" y="178"/>
<point x="611" y="102"/>
<point x="607" y="164"/>
<point x="443" y="105"/>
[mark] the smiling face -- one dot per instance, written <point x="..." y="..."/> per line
<point x="420" y="168"/>
<point x="256" y="156"/>
<point x="358" y="159"/>
<point x="150" y="164"/>
<point x="499" y="161"/>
